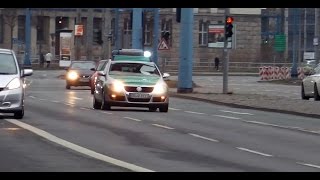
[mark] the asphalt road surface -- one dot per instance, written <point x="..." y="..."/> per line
<point x="61" y="132"/>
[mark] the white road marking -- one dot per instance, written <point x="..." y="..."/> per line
<point x="166" y="127"/>
<point x="78" y="148"/>
<point x="174" y="109"/>
<point x="228" y="117"/>
<point x="32" y="97"/>
<point x="202" y="137"/>
<point x="69" y="104"/>
<point x="85" y="108"/>
<point x="236" y="112"/>
<point x="76" y="98"/>
<point x="193" y="112"/>
<point x="310" y="165"/>
<point x="255" y="152"/>
<point x="105" y="112"/>
<point x="55" y="101"/>
<point x="132" y="119"/>
<point x="43" y="99"/>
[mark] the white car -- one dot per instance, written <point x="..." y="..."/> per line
<point x="310" y="86"/>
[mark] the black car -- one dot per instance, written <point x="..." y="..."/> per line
<point x="79" y="73"/>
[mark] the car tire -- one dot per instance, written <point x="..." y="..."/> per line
<point x="164" y="108"/>
<point x="303" y="96"/>
<point x="104" y="104"/>
<point x="152" y="109"/>
<point x="19" y="114"/>
<point x="96" y="104"/>
<point x="316" y="93"/>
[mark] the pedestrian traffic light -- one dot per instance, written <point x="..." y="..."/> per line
<point x="229" y="26"/>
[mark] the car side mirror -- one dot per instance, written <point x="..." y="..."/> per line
<point x="101" y="73"/>
<point x="166" y="75"/>
<point x="27" y="72"/>
<point x="93" y="69"/>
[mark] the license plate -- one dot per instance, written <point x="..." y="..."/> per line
<point x="139" y="95"/>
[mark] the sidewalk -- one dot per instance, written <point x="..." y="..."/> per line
<point x="308" y="108"/>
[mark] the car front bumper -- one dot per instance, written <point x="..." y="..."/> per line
<point x="11" y="100"/>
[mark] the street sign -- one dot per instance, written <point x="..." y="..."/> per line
<point x="280" y="42"/>
<point x="78" y="30"/>
<point x="163" y="45"/>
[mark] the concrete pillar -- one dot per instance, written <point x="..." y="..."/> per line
<point x="34" y="45"/>
<point x="52" y="33"/>
<point x="137" y="28"/>
<point x="89" y="34"/>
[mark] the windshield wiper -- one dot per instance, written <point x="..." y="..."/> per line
<point x="4" y="73"/>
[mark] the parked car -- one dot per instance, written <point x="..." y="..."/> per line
<point x="93" y="79"/>
<point x="12" y="89"/>
<point x="79" y="73"/>
<point x="131" y="81"/>
<point x="310" y="86"/>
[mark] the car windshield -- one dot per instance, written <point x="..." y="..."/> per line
<point x="83" y="65"/>
<point x="138" y="69"/>
<point x="7" y="64"/>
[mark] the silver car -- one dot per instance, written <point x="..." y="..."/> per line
<point x="12" y="84"/>
<point x="131" y="83"/>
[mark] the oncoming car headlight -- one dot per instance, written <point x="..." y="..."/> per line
<point x="159" y="88"/>
<point x="13" y="84"/>
<point x="72" y="75"/>
<point x="117" y="86"/>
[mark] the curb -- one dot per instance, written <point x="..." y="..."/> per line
<point x="244" y="106"/>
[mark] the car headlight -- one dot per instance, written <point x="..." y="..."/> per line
<point x="159" y="88"/>
<point x="117" y="86"/>
<point x="72" y="75"/>
<point x="14" y="84"/>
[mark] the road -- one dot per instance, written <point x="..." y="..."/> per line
<point x="61" y="132"/>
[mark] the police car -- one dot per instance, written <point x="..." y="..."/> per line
<point x="130" y="79"/>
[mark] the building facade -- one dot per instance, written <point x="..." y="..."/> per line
<point x="99" y="29"/>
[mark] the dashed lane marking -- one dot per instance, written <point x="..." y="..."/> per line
<point x="202" y="137"/>
<point x="193" y="112"/>
<point x="255" y="152"/>
<point x="132" y="119"/>
<point x="162" y="126"/>
<point x="236" y="112"/>
<point x="228" y="117"/>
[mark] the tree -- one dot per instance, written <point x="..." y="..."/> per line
<point x="10" y="16"/>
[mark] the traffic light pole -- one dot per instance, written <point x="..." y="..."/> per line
<point x="186" y="51"/>
<point x="225" y="56"/>
<point x="27" y="62"/>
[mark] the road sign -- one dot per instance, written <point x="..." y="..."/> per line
<point x="280" y="42"/>
<point x="163" y="45"/>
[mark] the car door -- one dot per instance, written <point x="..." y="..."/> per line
<point x="309" y="81"/>
<point x="101" y="80"/>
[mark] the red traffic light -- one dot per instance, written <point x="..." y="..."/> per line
<point x="229" y="20"/>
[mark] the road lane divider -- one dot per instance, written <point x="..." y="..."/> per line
<point x="162" y="126"/>
<point x="76" y="98"/>
<point x="55" y="101"/>
<point x="32" y="97"/>
<point x="174" y="109"/>
<point x="104" y="112"/>
<point x="253" y="151"/>
<point x="193" y="112"/>
<point x="233" y="112"/>
<point x="228" y="117"/>
<point x="78" y="148"/>
<point x="132" y="119"/>
<point x="202" y="137"/>
<point x="310" y="165"/>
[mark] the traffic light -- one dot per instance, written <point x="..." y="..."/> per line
<point x="229" y="26"/>
<point x="178" y="15"/>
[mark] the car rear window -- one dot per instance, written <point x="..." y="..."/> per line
<point x="7" y="64"/>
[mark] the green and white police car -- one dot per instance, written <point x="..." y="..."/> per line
<point x="131" y="81"/>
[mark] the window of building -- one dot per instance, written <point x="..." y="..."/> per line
<point x="21" y="28"/>
<point x="40" y="29"/>
<point x="166" y="30"/>
<point x="147" y="33"/>
<point x="203" y="33"/>
<point x="127" y="33"/>
<point x="1" y="29"/>
<point x="113" y="31"/>
<point x="97" y="31"/>
<point x="83" y="38"/>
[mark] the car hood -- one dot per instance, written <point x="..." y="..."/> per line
<point x="5" y="79"/>
<point x="83" y="71"/>
<point x="137" y="80"/>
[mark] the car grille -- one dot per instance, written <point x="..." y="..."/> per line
<point x="138" y="100"/>
<point x="134" y="89"/>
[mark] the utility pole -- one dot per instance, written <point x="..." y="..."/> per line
<point x="77" y="38"/>
<point x="89" y="34"/>
<point x="316" y="32"/>
<point x="225" y="56"/>
<point x="27" y="62"/>
<point x="116" y="28"/>
<point x="137" y="28"/>
<point x="305" y="32"/>
<point x="186" y="51"/>
<point x="294" y="72"/>
<point x="155" y="35"/>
